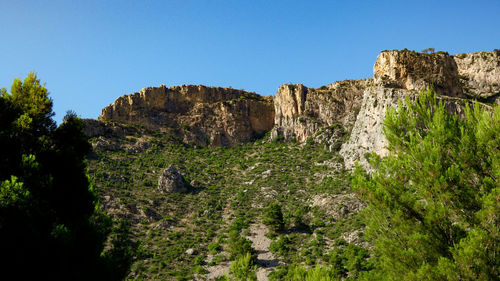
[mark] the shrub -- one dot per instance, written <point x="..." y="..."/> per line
<point x="280" y="246"/>
<point x="240" y="246"/>
<point x="244" y="268"/>
<point x="273" y="218"/>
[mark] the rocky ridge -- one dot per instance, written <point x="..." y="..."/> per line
<point x="196" y="114"/>
<point x="226" y="117"/>
<point x="480" y="74"/>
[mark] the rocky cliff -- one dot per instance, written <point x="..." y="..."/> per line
<point x="398" y="74"/>
<point x="300" y="112"/>
<point x="221" y="116"/>
<point x="197" y="114"/>
<point x="480" y="75"/>
<point x="410" y="70"/>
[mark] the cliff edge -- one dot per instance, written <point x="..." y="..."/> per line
<point x="196" y="114"/>
<point x="349" y="112"/>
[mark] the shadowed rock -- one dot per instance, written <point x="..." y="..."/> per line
<point x="171" y="181"/>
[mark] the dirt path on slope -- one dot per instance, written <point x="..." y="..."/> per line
<point x="266" y="261"/>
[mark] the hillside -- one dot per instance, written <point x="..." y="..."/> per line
<point x="236" y="153"/>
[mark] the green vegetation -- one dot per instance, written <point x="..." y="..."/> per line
<point x="51" y="225"/>
<point x="233" y="189"/>
<point x="273" y="218"/>
<point x="240" y="247"/>
<point x="428" y="51"/>
<point x="244" y="268"/>
<point x="433" y="210"/>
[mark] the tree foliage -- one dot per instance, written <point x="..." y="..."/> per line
<point x="244" y="268"/>
<point x="273" y="218"/>
<point x="51" y="226"/>
<point x="240" y="246"/>
<point x="434" y="201"/>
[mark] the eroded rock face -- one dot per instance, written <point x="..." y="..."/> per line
<point x="480" y="74"/>
<point x="354" y="108"/>
<point x="171" y="181"/>
<point x="301" y="112"/>
<point x="367" y="135"/>
<point x="197" y="114"/>
<point x="410" y="70"/>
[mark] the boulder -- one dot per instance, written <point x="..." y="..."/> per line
<point x="171" y="181"/>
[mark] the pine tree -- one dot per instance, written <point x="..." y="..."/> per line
<point x="51" y="225"/>
<point x="433" y="203"/>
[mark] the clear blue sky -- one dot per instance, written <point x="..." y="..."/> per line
<point x="91" y="52"/>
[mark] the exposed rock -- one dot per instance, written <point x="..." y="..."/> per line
<point x="198" y="114"/>
<point x="171" y="180"/>
<point x="301" y="112"/>
<point x="96" y="128"/>
<point x="190" y="251"/>
<point x="416" y="71"/>
<point x="367" y="134"/>
<point x="338" y="206"/>
<point x="195" y="184"/>
<point x="226" y="117"/>
<point x="480" y="74"/>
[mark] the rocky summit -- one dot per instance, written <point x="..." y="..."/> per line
<point x="214" y="116"/>
<point x="197" y="114"/>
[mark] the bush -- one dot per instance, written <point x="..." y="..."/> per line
<point x="240" y="246"/>
<point x="300" y="273"/>
<point x="280" y="246"/>
<point x="273" y="218"/>
<point x="244" y="268"/>
<point x="213" y="248"/>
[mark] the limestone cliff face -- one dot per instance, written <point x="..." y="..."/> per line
<point x="400" y="74"/>
<point x="221" y="116"/>
<point x="416" y="71"/>
<point x="367" y="135"/>
<point x="197" y="114"/>
<point x="301" y="112"/>
<point x="480" y="74"/>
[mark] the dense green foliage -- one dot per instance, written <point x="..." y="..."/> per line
<point x="239" y="246"/>
<point x="51" y="226"/>
<point x="434" y="208"/>
<point x="273" y="218"/>
<point x="301" y="273"/>
<point x="244" y="268"/>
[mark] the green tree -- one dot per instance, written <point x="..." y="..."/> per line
<point x="433" y="202"/>
<point x="51" y="226"/>
<point x="244" y="268"/>
<point x="273" y="218"/>
<point x="318" y="273"/>
<point x="240" y="246"/>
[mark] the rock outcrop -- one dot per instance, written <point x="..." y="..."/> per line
<point x="400" y="74"/>
<point x="417" y="71"/>
<point x="354" y="108"/>
<point x="300" y="112"/>
<point x="171" y="181"/>
<point x="367" y="135"/>
<point x="196" y="114"/>
<point x="480" y="75"/>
